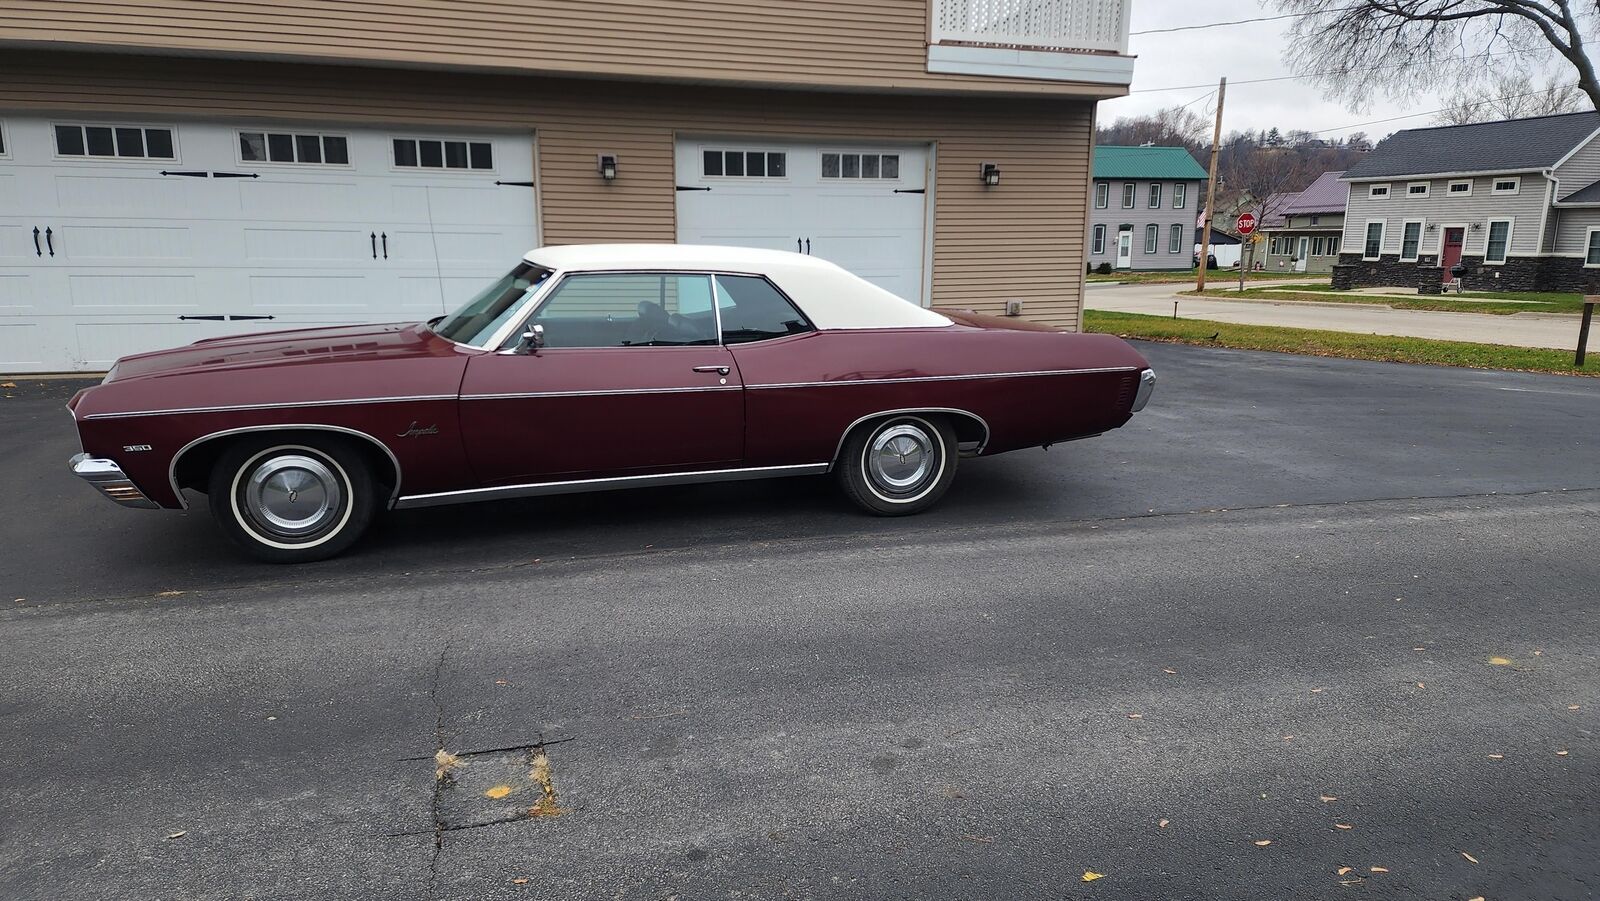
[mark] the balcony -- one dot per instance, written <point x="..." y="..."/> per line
<point x="1055" y="40"/>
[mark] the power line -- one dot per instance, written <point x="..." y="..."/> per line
<point x="1190" y="87"/>
<point x="1433" y="111"/>
<point x="1239" y="22"/>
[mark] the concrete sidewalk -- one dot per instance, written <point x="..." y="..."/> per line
<point x="1519" y="330"/>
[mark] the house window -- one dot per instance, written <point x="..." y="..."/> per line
<point x="837" y="165"/>
<point x="1410" y="240"/>
<point x="1099" y="239"/>
<point x="1417" y="189"/>
<point x="1315" y="219"/>
<point x="1128" y="189"/>
<point x="1180" y="195"/>
<point x="1152" y="236"/>
<point x="126" y="141"/>
<point x="430" y="153"/>
<point x="1591" y="256"/>
<point x="1175" y="240"/>
<point x="1155" y="195"/>
<point x="1316" y="246"/>
<point x="2" y="141"/>
<point x="1378" y="191"/>
<point x="1499" y="241"/>
<point x="277" y="147"/>
<point x="1461" y="188"/>
<point x="1102" y="195"/>
<point x="1372" y="248"/>
<point x="1510" y="185"/>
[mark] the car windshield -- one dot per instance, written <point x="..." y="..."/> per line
<point x="477" y="321"/>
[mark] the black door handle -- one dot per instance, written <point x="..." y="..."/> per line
<point x="808" y="247"/>
<point x="798" y="246"/>
<point x="36" y="251"/>
<point x="49" y="241"/>
<point x="719" y="370"/>
<point x="374" y="237"/>
<point x="385" y="237"/>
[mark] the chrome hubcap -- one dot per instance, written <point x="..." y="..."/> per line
<point x="901" y="457"/>
<point x="293" y="495"/>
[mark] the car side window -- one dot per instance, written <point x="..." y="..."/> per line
<point x="754" y="310"/>
<point x="633" y="309"/>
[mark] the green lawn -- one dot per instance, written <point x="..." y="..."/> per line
<point x="1180" y="276"/>
<point x="1335" y="344"/>
<point x="1532" y="301"/>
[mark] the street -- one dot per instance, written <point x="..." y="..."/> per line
<point x="1305" y="627"/>
<point x="1517" y="330"/>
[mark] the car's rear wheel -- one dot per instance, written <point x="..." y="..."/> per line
<point x="898" y="465"/>
<point x="288" y="501"/>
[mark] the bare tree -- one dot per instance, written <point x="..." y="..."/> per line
<point x="1359" y="48"/>
<point x="1174" y="126"/>
<point x="1513" y="95"/>
<point x="1263" y="179"/>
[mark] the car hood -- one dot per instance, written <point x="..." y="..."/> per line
<point x="297" y="347"/>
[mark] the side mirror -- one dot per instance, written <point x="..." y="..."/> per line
<point x="532" y="340"/>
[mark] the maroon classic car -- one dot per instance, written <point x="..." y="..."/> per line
<point x="587" y="368"/>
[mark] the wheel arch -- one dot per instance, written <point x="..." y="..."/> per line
<point x="197" y="456"/>
<point x="970" y="428"/>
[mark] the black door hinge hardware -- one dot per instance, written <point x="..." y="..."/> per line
<point x="911" y="190"/>
<point x="209" y="318"/>
<point x="689" y="188"/>
<point x="240" y="318"/>
<point x="236" y="175"/>
<point x="516" y="184"/>
<point x="185" y="174"/>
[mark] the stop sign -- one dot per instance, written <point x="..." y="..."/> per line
<point x="1246" y="223"/>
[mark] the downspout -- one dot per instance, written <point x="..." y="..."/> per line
<point x="1552" y="184"/>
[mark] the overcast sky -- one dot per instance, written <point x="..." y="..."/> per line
<point x="1240" y="52"/>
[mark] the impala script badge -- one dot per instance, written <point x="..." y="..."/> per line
<point x="417" y="431"/>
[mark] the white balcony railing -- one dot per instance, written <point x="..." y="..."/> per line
<point x="1100" y="25"/>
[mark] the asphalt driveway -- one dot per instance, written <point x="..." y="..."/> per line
<point x="1306" y="627"/>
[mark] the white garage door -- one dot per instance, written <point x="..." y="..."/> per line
<point x="125" y="236"/>
<point x="863" y="207"/>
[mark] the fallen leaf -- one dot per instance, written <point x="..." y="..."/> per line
<point x="1497" y="757"/>
<point x="1479" y="898"/>
<point x="1288" y="738"/>
<point x="1500" y="661"/>
<point x="1538" y="653"/>
<point x="501" y="682"/>
<point x="8" y="384"/>
<point x="1170" y="672"/>
<point x="443" y="763"/>
<point x="1162" y="824"/>
<point x="1091" y="875"/>
<point x="1263" y="843"/>
<point x="271" y="718"/>
<point x="1379" y="869"/>
<point x="1420" y="685"/>
<point x="1135" y="716"/>
<point x="1350" y="881"/>
<point x="1327" y="798"/>
<point x="1343" y="870"/>
<point x="1561" y="753"/>
<point x="520" y="881"/>
<point x="498" y="792"/>
<point x="1569" y="706"/>
<point x="169" y="594"/>
<point x="1469" y="857"/>
<point x="1419" y="649"/>
<point x="1318" y="691"/>
<point x="1343" y="826"/>
<point x="179" y="834"/>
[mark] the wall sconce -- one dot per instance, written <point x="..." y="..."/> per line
<point x="607" y="166"/>
<point x="990" y="173"/>
<point x="1431" y="227"/>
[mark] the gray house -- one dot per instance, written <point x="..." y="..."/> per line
<point x="1516" y="204"/>
<point x="1142" y="212"/>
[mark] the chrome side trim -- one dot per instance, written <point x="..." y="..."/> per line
<point x="839" y="448"/>
<point x="1147" y="386"/>
<point x="274" y="406"/>
<point x="172" y="468"/>
<point x="109" y="479"/>
<point x="575" y="486"/>
<point x="944" y="378"/>
<point x="603" y="393"/>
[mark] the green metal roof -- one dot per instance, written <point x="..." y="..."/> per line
<point x="1168" y="163"/>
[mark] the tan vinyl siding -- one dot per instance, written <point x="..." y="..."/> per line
<point x="818" y="43"/>
<point x="1021" y="240"/>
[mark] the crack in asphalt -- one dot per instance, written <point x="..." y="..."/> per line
<point x="439" y="781"/>
<point x="929" y="533"/>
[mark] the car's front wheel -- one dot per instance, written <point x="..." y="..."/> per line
<point x="292" y="501"/>
<point x="898" y="465"/>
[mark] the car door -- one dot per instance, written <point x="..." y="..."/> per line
<point x="631" y="379"/>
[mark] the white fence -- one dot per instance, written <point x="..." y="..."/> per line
<point x="1042" y="24"/>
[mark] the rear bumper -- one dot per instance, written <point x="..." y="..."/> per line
<point x="1147" y="387"/>
<point x="109" y="479"/>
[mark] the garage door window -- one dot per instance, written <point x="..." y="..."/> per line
<point x="745" y="164"/>
<point x="861" y="165"/>
<point x="126" y="141"/>
<point x="431" y="153"/>
<point x="284" y="147"/>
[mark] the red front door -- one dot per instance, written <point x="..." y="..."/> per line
<point x="1451" y="255"/>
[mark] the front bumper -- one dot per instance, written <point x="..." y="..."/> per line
<point x="1147" y="386"/>
<point x="111" y="481"/>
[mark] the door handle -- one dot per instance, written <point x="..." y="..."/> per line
<point x="797" y="246"/>
<point x="719" y="370"/>
<point x="49" y="241"/>
<point x="374" y="237"/>
<point x="385" y="239"/>
<point x="808" y="247"/>
<point x="36" y="251"/>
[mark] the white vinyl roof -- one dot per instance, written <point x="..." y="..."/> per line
<point x="831" y="297"/>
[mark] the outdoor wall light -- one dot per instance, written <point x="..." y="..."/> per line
<point x="990" y="173"/>
<point x="1431" y="226"/>
<point x="608" y="166"/>
<point x="1477" y="226"/>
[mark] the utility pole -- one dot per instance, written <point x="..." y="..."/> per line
<point x="1211" y="191"/>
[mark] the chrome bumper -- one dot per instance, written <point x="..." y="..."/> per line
<point x="111" y="481"/>
<point x="1147" y="386"/>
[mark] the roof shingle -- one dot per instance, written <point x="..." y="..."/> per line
<point x="1514" y="145"/>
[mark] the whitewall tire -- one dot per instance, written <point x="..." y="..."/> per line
<point x="287" y="501"/>
<point x="898" y="465"/>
